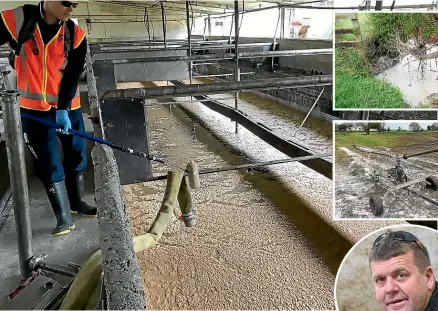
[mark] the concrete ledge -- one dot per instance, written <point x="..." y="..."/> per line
<point x="92" y="88"/>
<point x="298" y="98"/>
<point x="315" y="113"/>
<point x="122" y="275"/>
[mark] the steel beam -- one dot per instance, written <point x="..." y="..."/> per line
<point x="288" y="147"/>
<point x="217" y="56"/>
<point x="388" y="7"/>
<point x="220" y="87"/>
<point x="163" y="17"/>
<point x="236" y="48"/>
<point x="18" y="177"/>
<point x="132" y="42"/>
<point x="189" y="39"/>
<point x="224" y="75"/>
<point x="283" y="17"/>
<point x="174" y="47"/>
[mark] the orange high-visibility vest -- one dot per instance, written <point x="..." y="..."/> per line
<point x="39" y="76"/>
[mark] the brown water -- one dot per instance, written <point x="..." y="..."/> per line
<point x="418" y="91"/>
<point x="256" y="245"/>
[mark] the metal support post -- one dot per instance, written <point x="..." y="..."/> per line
<point x="18" y="178"/>
<point x="205" y="26"/>
<point x="221" y="87"/>
<point x="313" y="106"/>
<point x="5" y="77"/>
<point x="379" y="5"/>
<point x="216" y="56"/>
<point x="163" y="17"/>
<point x="236" y="41"/>
<point x="231" y="30"/>
<point x="275" y="37"/>
<point x="283" y="17"/>
<point x="209" y="25"/>
<point x="189" y="34"/>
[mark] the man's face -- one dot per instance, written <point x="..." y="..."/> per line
<point x="399" y="284"/>
<point x="62" y="9"/>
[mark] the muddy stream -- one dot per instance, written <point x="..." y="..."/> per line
<point x="419" y="91"/>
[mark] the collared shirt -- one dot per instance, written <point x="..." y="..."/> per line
<point x="76" y="57"/>
<point x="432" y="305"/>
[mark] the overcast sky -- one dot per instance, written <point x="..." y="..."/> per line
<point x="403" y="124"/>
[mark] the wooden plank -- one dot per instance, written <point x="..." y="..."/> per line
<point x="343" y="31"/>
<point x="356" y="25"/>
<point x="351" y="16"/>
<point x="347" y="44"/>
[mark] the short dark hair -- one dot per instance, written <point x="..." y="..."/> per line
<point x="389" y="246"/>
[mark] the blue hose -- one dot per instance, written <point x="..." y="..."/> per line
<point x="89" y="137"/>
<point x="72" y="131"/>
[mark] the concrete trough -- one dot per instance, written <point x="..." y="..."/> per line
<point x="124" y="290"/>
<point x="124" y="286"/>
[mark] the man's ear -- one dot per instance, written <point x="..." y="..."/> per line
<point x="430" y="278"/>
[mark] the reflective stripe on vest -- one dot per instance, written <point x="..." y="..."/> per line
<point x="38" y="78"/>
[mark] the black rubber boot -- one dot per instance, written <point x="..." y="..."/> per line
<point x="58" y="198"/>
<point x="75" y="189"/>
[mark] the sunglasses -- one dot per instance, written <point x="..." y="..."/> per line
<point x="402" y="236"/>
<point x="68" y="4"/>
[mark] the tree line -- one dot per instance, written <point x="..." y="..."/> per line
<point x="380" y="127"/>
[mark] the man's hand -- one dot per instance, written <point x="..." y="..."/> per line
<point x="63" y="119"/>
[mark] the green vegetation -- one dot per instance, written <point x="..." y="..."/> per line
<point x="356" y="87"/>
<point x="345" y="23"/>
<point x="374" y="139"/>
<point x="355" y="83"/>
<point x="390" y="139"/>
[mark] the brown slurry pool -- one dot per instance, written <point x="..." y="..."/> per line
<point x="247" y="251"/>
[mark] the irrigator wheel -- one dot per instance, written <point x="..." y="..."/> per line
<point x="434" y="182"/>
<point x="376" y="205"/>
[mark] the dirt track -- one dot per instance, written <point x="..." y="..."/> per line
<point x="354" y="183"/>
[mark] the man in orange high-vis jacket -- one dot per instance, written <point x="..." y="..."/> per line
<point x="48" y="71"/>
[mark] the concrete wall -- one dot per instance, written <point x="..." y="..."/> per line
<point x="132" y="26"/>
<point x="322" y="63"/>
<point x="251" y="26"/>
<point x="174" y="30"/>
<point x="354" y="288"/>
<point x="299" y="98"/>
<point x="321" y="22"/>
<point x="319" y="63"/>
<point x="5" y="5"/>
<point x="147" y="71"/>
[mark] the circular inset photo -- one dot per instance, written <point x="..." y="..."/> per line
<point x="390" y="269"/>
